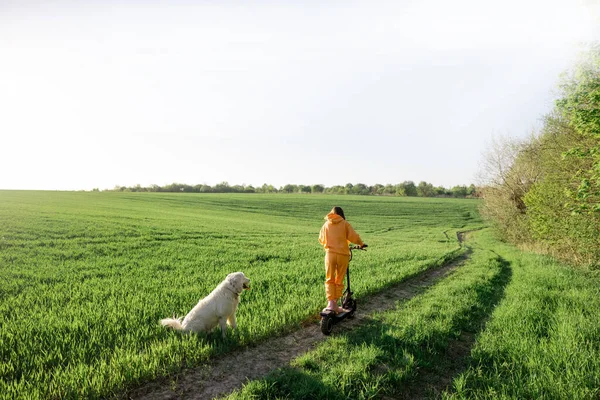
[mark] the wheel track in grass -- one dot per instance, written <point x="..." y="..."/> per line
<point x="230" y="371"/>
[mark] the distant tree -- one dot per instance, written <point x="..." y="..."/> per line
<point x="439" y="191"/>
<point x="222" y="187"/>
<point x="360" y="188"/>
<point x="317" y="188"/>
<point x="377" y="189"/>
<point x="175" y="187"/>
<point x="304" y="189"/>
<point x="472" y="191"/>
<point x="290" y="188"/>
<point x="402" y="189"/>
<point x="425" y="189"/>
<point x="409" y="188"/>
<point x="459" y="191"/>
<point x="337" y="189"/>
<point x="265" y="188"/>
<point x="389" y="189"/>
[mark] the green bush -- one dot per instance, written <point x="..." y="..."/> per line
<point x="546" y="191"/>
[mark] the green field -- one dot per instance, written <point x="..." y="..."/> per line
<point x="505" y="325"/>
<point x="85" y="277"/>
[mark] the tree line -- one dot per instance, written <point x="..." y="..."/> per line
<point x="544" y="191"/>
<point x="407" y="188"/>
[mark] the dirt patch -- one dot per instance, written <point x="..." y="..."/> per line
<point x="232" y="370"/>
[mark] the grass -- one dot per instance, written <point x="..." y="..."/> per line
<point x="382" y="356"/>
<point x="506" y="325"/>
<point x="543" y="341"/>
<point x="85" y="277"/>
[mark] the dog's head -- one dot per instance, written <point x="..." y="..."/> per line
<point x="238" y="281"/>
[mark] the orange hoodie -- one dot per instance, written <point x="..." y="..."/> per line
<point x="336" y="233"/>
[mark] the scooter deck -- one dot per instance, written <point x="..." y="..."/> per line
<point x="332" y="314"/>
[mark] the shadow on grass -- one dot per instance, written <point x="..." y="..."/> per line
<point x="439" y="368"/>
<point x="409" y="362"/>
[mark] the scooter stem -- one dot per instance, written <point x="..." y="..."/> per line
<point x="348" y="278"/>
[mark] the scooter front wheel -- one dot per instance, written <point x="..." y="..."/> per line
<point x="326" y="325"/>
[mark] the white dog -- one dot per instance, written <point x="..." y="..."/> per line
<point x="218" y="307"/>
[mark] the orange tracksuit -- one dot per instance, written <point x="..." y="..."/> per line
<point x="335" y="236"/>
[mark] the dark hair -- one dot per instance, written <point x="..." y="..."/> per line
<point x="338" y="210"/>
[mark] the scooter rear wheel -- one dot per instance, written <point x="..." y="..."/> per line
<point x="326" y="325"/>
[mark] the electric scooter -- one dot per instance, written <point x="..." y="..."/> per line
<point x="329" y="318"/>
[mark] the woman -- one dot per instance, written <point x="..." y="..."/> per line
<point x="335" y="236"/>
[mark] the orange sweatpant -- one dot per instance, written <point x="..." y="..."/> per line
<point x="336" y="266"/>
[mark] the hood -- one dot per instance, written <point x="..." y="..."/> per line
<point x="334" y="218"/>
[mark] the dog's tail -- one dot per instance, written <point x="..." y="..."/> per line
<point x="174" y="323"/>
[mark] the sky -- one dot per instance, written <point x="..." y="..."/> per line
<point x="95" y="94"/>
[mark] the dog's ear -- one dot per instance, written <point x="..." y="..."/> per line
<point x="235" y="280"/>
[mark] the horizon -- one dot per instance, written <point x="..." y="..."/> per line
<point x="107" y="94"/>
<point x="233" y="185"/>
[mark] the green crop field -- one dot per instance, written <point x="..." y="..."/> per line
<point x="505" y="325"/>
<point x="86" y="277"/>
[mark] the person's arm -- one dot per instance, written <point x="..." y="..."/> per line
<point x="352" y="236"/>
<point x="322" y="236"/>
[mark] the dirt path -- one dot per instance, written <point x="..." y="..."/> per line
<point x="232" y="370"/>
